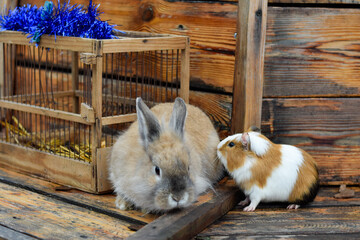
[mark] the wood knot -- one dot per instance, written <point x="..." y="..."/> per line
<point x="147" y="12"/>
<point x="258" y="13"/>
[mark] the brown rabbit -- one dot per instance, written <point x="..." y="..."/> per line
<point x="165" y="159"/>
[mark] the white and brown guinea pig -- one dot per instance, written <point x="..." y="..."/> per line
<point x="268" y="172"/>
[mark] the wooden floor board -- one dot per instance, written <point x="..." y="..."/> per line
<point x="325" y="217"/>
<point x="101" y="203"/>
<point x="8" y="233"/>
<point x="31" y="208"/>
<point x="45" y="217"/>
<point x="77" y="212"/>
<point x="345" y="236"/>
<point x="309" y="221"/>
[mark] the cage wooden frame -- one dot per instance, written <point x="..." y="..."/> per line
<point x="90" y="177"/>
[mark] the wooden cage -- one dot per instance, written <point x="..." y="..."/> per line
<point x="63" y="102"/>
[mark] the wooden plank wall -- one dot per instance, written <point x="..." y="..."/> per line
<point x="312" y="69"/>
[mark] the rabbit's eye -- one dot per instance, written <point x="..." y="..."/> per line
<point x="157" y="170"/>
<point x="231" y="144"/>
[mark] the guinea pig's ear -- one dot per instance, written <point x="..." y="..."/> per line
<point x="245" y="140"/>
<point x="178" y="116"/>
<point x="149" y="127"/>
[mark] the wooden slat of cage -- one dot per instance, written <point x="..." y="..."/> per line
<point x="75" y="80"/>
<point x="61" y="43"/>
<point x="96" y="129"/>
<point x="143" y="44"/>
<point x="55" y="168"/>
<point x="64" y="115"/>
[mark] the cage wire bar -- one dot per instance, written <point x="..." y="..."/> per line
<point x="152" y="75"/>
<point x="56" y="79"/>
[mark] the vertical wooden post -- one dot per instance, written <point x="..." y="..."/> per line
<point x="7" y="4"/>
<point x="75" y="80"/>
<point x="185" y="72"/>
<point x="2" y="70"/>
<point x="249" y="65"/>
<point x="96" y="91"/>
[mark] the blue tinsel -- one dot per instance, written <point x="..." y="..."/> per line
<point x="60" y="20"/>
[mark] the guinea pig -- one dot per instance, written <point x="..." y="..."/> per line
<point x="269" y="172"/>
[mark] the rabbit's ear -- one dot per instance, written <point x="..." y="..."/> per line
<point x="178" y="116"/>
<point x="149" y="127"/>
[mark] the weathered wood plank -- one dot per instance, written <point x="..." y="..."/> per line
<point x="312" y="52"/>
<point x="275" y="222"/>
<point x="306" y="48"/>
<point x="327" y="128"/>
<point x="48" y="218"/>
<point x="7" y="233"/>
<point x="104" y="204"/>
<point x="249" y="65"/>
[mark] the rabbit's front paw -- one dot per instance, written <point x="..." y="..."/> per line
<point x="122" y="204"/>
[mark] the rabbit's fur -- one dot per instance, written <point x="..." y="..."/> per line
<point x="165" y="159"/>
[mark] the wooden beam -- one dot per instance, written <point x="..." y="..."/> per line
<point x="249" y="64"/>
<point x="187" y="223"/>
<point x="185" y="72"/>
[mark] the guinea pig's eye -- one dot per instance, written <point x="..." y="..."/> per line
<point x="157" y="170"/>
<point x="231" y="144"/>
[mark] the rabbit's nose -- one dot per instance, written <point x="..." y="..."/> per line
<point x="176" y="198"/>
